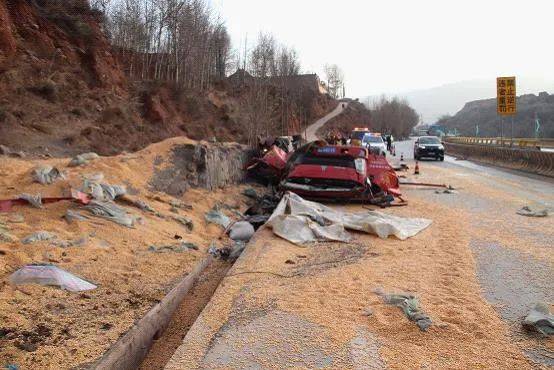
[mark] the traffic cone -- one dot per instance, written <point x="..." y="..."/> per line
<point x="401" y="157"/>
<point x="416" y="170"/>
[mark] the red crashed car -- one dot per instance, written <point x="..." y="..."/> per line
<point x="269" y="168"/>
<point x="335" y="172"/>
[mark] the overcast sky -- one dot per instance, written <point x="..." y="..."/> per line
<point x="393" y="46"/>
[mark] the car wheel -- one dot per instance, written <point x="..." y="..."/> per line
<point x="442" y="159"/>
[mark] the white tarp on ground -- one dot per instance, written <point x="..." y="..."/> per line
<point x="301" y="222"/>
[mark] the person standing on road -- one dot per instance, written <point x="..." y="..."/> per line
<point x="389" y="142"/>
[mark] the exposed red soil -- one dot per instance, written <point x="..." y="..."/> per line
<point x="64" y="91"/>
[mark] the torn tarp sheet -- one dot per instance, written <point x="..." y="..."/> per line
<point x="540" y="319"/>
<point x="530" y="212"/>
<point x="112" y="212"/>
<point x="46" y="174"/>
<point x="410" y="305"/>
<point x="49" y="275"/>
<point x="301" y="222"/>
<point x="103" y="191"/>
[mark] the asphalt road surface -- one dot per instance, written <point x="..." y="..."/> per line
<point x="477" y="270"/>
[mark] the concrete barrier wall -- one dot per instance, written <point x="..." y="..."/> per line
<point x="200" y="165"/>
<point x="528" y="160"/>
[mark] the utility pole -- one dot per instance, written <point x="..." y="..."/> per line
<point x="502" y="130"/>
<point x="478" y="121"/>
<point x="512" y="142"/>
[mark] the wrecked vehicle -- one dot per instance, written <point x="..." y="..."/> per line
<point x="338" y="172"/>
<point x="268" y="168"/>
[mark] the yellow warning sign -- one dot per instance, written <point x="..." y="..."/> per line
<point x="506" y="95"/>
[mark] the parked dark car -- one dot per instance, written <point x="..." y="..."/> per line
<point x="428" y="146"/>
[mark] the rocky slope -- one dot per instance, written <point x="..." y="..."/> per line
<point x="483" y="113"/>
<point x="64" y="91"/>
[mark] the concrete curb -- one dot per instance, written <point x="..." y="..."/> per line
<point x="129" y="351"/>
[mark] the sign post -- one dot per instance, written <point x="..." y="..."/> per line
<point x="506" y="101"/>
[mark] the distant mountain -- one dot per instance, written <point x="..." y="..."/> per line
<point x="450" y="98"/>
<point x="483" y="113"/>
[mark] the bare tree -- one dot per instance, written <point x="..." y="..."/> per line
<point x="393" y="116"/>
<point x="179" y="41"/>
<point x="335" y="80"/>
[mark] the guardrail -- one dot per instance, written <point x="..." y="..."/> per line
<point x="522" y="158"/>
<point x="522" y="143"/>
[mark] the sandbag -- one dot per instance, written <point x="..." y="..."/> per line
<point x="217" y="217"/>
<point x="241" y="231"/>
<point x="46" y="174"/>
<point x="110" y="211"/>
<point x="37" y="237"/>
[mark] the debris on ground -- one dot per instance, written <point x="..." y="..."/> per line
<point x="241" y="231"/>
<point x="180" y="205"/>
<point x="445" y="191"/>
<point x="80" y="242"/>
<point x="5" y="235"/>
<point x="367" y="312"/>
<point x="34" y="200"/>
<point x="4" y="150"/>
<point x="140" y="204"/>
<point x="37" y="237"/>
<point x="71" y="216"/>
<point x="46" y="174"/>
<point x="401" y="167"/>
<point x="264" y="205"/>
<point x="112" y="212"/>
<point x="251" y="193"/>
<point x="47" y="274"/>
<point x="16" y="218"/>
<point x="102" y="191"/>
<point x="230" y="252"/>
<point x="82" y="159"/>
<point x="181" y="247"/>
<point x="410" y="305"/>
<point x="257" y="220"/>
<point x="217" y="217"/>
<point x="185" y="221"/>
<point x="37" y="200"/>
<point x="449" y="187"/>
<point x="530" y="212"/>
<point x="540" y="319"/>
<point x="301" y="222"/>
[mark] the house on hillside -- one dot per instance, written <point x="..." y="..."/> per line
<point x="297" y="82"/>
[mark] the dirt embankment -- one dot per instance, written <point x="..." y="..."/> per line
<point x="63" y="90"/>
<point x="355" y="115"/>
<point x="46" y="327"/>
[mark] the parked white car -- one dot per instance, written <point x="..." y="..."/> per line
<point x="375" y="144"/>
